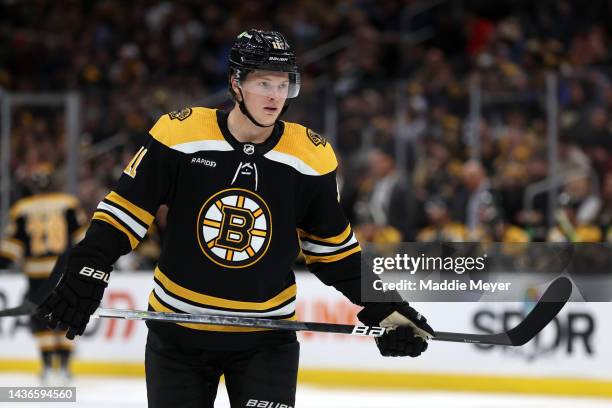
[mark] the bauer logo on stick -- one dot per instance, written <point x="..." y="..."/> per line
<point x="369" y="331"/>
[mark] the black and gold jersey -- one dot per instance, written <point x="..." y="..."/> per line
<point x="41" y="228"/>
<point x="238" y="215"/>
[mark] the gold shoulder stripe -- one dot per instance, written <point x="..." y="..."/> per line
<point x="68" y="199"/>
<point x="221" y="302"/>
<point x="158" y="307"/>
<point x="200" y="125"/>
<point x="336" y="240"/>
<point x="142" y="215"/>
<point x="110" y="220"/>
<point x="297" y="142"/>
<point x="11" y="248"/>
<point x="8" y="256"/>
<point x="331" y="258"/>
<point x="20" y="205"/>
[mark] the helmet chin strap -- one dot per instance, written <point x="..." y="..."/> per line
<point x="246" y="112"/>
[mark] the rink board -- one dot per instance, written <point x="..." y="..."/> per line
<point x="571" y="356"/>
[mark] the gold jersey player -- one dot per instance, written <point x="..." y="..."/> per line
<point x="244" y="191"/>
<point x="41" y="227"/>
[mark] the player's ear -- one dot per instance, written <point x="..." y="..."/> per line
<point x="234" y="85"/>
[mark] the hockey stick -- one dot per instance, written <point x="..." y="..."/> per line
<point x="26" y="308"/>
<point x="33" y="299"/>
<point x="549" y="305"/>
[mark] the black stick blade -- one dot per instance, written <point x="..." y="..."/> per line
<point x="549" y="305"/>
<point x="25" y="309"/>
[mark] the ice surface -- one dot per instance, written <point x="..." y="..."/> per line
<point x="95" y="392"/>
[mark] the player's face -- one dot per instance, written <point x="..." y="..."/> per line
<point x="265" y="93"/>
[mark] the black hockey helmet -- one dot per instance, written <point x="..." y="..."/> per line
<point x="39" y="180"/>
<point x="265" y="51"/>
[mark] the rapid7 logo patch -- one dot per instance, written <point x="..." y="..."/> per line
<point x="373" y="331"/>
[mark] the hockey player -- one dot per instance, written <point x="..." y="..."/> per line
<point x="238" y="186"/>
<point x="41" y="227"/>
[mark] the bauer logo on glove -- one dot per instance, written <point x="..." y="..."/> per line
<point x="94" y="274"/>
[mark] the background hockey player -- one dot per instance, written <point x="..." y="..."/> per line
<point x="41" y="227"/>
<point x="238" y="186"/>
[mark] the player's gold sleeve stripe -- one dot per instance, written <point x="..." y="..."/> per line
<point x="202" y="299"/>
<point x="11" y="248"/>
<point x="8" y="256"/>
<point x="142" y="215"/>
<point x="158" y="307"/>
<point x="331" y="258"/>
<point x="109" y="219"/>
<point x="336" y="240"/>
<point x="39" y="267"/>
<point x="211" y="223"/>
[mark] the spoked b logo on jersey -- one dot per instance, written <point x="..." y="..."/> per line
<point x="234" y="228"/>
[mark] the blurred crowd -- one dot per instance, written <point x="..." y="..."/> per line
<point x="390" y="81"/>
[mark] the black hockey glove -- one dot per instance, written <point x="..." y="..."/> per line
<point x="77" y="295"/>
<point x="407" y="332"/>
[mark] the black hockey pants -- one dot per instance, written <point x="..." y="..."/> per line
<point x="188" y="378"/>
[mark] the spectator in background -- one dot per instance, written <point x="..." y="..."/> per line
<point x="474" y="193"/>
<point x="572" y="159"/>
<point x="386" y="198"/>
<point x="588" y="205"/>
<point x="568" y="228"/>
<point x="604" y="218"/>
<point x="493" y="227"/>
<point x="441" y="227"/>
<point x="173" y="52"/>
<point x="435" y="170"/>
<point x="595" y="137"/>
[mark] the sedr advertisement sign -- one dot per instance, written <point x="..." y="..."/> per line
<point x="573" y="345"/>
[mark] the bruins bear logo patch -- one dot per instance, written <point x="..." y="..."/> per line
<point x="180" y="114"/>
<point x="316" y="138"/>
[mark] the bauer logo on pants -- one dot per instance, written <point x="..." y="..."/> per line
<point x="234" y="228"/>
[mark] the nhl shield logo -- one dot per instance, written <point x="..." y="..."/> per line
<point x="180" y="114"/>
<point x="316" y="138"/>
<point x="248" y="149"/>
<point x="234" y="228"/>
